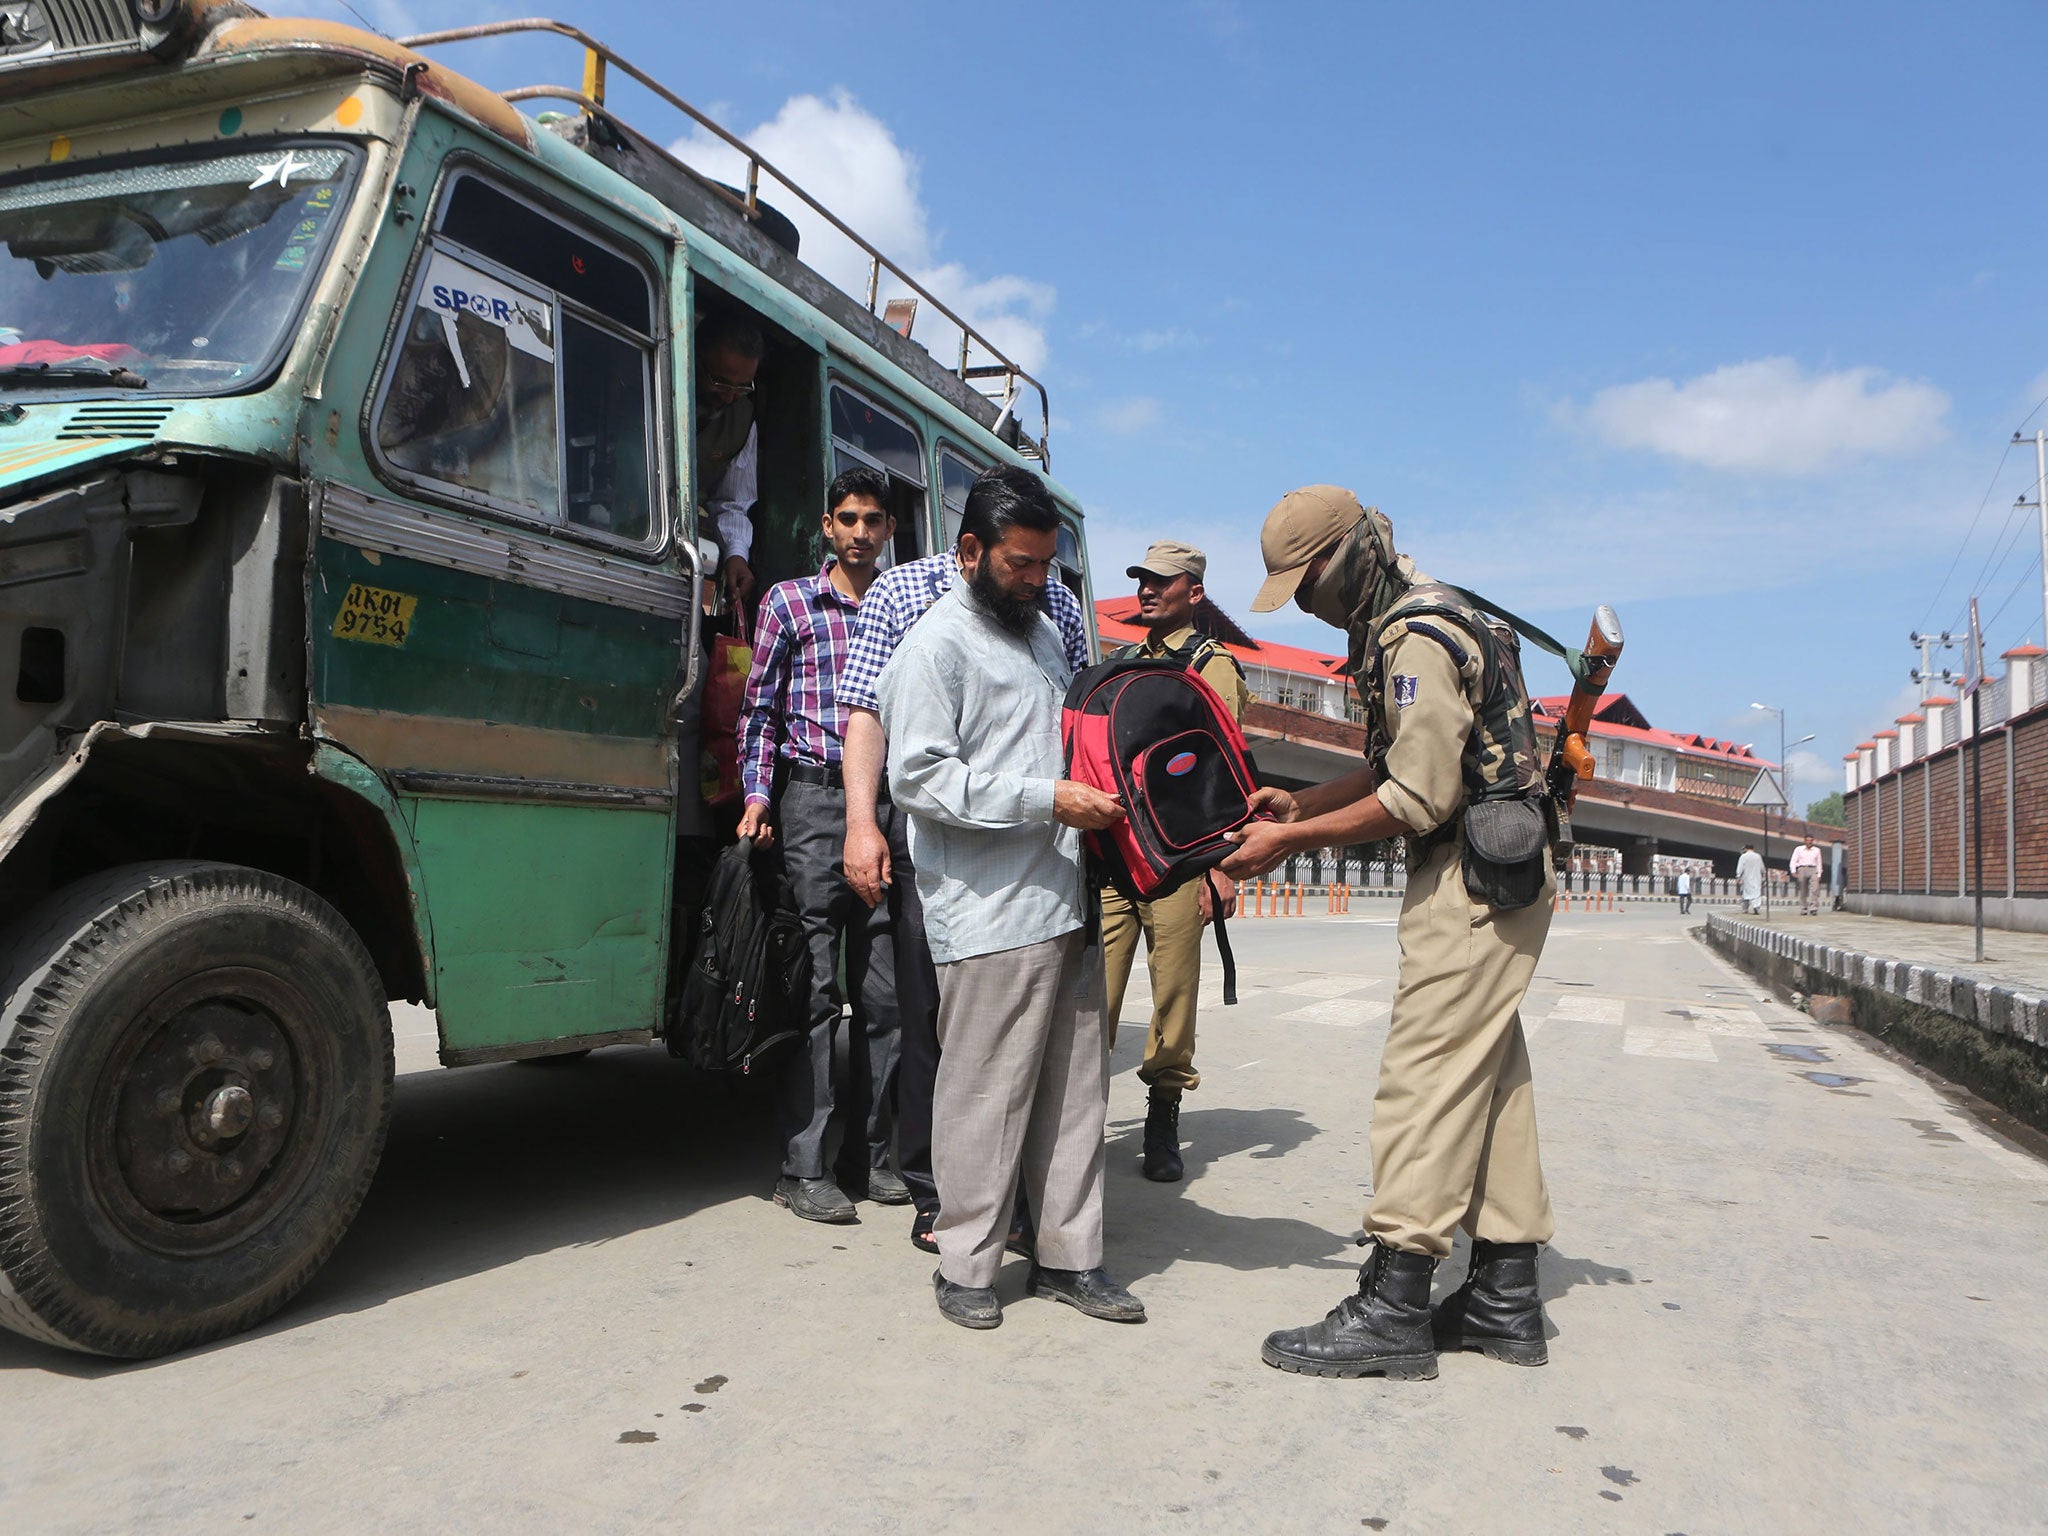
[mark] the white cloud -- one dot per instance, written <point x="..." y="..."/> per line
<point x="847" y="158"/>
<point x="1140" y="413"/>
<point x="1769" y="416"/>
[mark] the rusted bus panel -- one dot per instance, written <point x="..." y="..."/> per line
<point x="326" y="39"/>
<point x="400" y="743"/>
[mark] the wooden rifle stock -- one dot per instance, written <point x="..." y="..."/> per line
<point x="1571" y="759"/>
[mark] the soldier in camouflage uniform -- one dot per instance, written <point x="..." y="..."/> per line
<point x="1453" y="771"/>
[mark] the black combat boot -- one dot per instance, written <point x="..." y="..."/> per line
<point x="1162" y="1136"/>
<point x="1381" y="1331"/>
<point x="1496" y="1311"/>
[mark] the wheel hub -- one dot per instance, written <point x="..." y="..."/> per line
<point x="205" y="1109"/>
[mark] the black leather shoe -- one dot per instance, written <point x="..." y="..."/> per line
<point x="1162" y="1136"/>
<point x="1090" y="1291"/>
<point x="1383" y="1330"/>
<point x="815" y="1200"/>
<point x="971" y="1306"/>
<point x="884" y="1188"/>
<point x="1496" y="1311"/>
<point x="876" y="1184"/>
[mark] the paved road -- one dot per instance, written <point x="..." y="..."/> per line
<point x="1793" y="1289"/>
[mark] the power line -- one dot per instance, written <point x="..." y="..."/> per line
<point x="1935" y="601"/>
<point x="2026" y="579"/>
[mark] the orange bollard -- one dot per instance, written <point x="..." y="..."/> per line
<point x="1298" y="891"/>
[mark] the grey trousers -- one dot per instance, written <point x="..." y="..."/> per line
<point x="1022" y="1088"/>
<point x="812" y="823"/>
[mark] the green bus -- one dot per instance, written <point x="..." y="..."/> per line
<point x="351" y="594"/>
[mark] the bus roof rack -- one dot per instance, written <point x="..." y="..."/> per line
<point x="599" y="59"/>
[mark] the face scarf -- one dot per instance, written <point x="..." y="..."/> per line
<point x="1364" y="578"/>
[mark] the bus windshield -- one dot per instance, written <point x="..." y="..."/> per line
<point x="179" y="276"/>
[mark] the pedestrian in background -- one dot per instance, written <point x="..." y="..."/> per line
<point x="1169" y="593"/>
<point x="971" y="704"/>
<point x="1806" y="873"/>
<point x="1684" y="892"/>
<point x="1749" y="879"/>
<point x="791" y="753"/>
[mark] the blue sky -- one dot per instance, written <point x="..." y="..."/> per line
<point x="1722" y="315"/>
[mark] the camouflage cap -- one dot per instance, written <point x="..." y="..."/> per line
<point x="1167" y="557"/>
<point x="1302" y="525"/>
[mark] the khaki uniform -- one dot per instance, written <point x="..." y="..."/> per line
<point x="1172" y="925"/>
<point x="1454" y="1121"/>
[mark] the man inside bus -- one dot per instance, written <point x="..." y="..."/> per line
<point x="790" y="755"/>
<point x="729" y="352"/>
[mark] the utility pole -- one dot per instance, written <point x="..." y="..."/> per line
<point x="2041" y="509"/>
<point x="1924" y="674"/>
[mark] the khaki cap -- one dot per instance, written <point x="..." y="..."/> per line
<point x="1302" y="525"/>
<point x="1168" y="557"/>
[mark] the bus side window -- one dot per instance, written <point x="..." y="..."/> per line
<point x="1071" y="562"/>
<point x="956" y="476"/>
<point x="864" y="433"/>
<point x="524" y="377"/>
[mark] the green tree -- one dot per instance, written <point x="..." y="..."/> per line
<point x="1829" y="812"/>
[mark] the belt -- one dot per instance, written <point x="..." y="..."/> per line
<point x="826" y="776"/>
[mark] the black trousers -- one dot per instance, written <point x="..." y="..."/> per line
<point x="811" y="823"/>
<point x="917" y="1006"/>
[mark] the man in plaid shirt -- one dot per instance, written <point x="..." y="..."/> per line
<point x="791" y="750"/>
<point x="877" y="860"/>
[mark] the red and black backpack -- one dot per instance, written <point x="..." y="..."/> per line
<point x="1158" y="737"/>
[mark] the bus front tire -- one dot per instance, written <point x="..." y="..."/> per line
<point x="195" y="1085"/>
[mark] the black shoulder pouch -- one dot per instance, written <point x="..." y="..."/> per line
<point x="1503" y="853"/>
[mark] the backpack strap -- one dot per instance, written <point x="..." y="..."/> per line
<point x="1194" y="653"/>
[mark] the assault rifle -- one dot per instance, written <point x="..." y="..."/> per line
<point x="1570" y="758"/>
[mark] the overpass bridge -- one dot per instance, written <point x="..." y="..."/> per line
<point x="1295" y="747"/>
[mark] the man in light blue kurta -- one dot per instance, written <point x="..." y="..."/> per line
<point x="971" y="704"/>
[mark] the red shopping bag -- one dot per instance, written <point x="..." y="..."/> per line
<point x="725" y="690"/>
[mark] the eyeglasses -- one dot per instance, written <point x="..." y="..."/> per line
<point x="727" y="386"/>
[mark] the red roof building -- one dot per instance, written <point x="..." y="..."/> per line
<point x="1627" y="748"/>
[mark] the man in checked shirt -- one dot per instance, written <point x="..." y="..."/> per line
<point x="791" y="749"/>
<point x="877" y="859"/>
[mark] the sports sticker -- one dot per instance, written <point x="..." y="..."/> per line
<point x="375" y="616"/>
<point x="1404" y="690"/>
<point x="454" y="289"/>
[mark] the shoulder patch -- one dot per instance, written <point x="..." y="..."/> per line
<point x="1404" y="690"/>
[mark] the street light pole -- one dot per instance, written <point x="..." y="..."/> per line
<point x="1785" y="783"/>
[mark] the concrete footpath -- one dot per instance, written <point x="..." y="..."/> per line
<point x="1795" y="1287"/>
<point x="2016" y="960"/>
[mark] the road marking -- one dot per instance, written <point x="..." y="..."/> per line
<point x="1346" y="1013"/>
<point x="1674" y="1044"/>
<point x="1576" y="1008"/>
<point x="1243" y="1065"/>
<point x="1329" y="986"/>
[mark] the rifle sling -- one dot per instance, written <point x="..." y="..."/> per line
<point x="1570" y="655"/>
